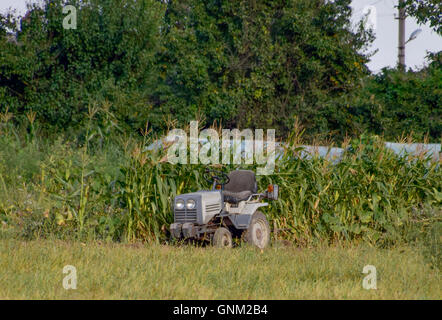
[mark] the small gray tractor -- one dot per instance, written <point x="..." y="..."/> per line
<point x="229" y="210"/>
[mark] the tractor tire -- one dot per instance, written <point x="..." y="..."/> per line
<point x="222" y="238"/>
<point x="258" y="233"/>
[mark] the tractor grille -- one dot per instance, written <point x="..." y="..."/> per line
<point x="213" y="208"/>
<point x="185" y="215"/>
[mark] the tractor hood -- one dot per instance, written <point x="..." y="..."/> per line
<point x="197" y="207"/>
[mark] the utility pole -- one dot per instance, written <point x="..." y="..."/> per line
<point x="401" y="52"/>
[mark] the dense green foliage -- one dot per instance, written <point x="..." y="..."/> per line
<point x="393" y="102"/>
<point x="116" y="189"/>
<point x="58" y="73"/>
<point x="425" y="11"/>
<point x="256" y="64"/>
<point x="71" y="101"/>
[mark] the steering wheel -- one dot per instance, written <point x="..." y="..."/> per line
<point x="216" y="177"/>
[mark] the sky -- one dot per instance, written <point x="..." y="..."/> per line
<point x="386" y="31"/>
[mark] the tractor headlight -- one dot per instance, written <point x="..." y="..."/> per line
<point x="179" y="204"/>
<point x="190" y="204"/>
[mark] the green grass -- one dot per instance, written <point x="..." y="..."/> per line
<point x="33" y="270"/>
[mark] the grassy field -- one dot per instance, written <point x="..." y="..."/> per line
<point x="33" y="270"/>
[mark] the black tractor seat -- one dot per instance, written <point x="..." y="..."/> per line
<point x="235" y="197"/>
<point x="241" y="186"/>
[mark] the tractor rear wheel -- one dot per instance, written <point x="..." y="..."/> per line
<point x="222" y="238"/>
<point x="258" y="233"/>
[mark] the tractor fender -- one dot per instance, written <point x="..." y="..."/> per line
<point x="242" y="220"/>
<point x="250" y="208"/>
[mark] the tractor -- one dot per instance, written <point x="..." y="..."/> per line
<point x="229" y="210"/>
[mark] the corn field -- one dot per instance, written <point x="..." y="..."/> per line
<point x="112" y="187"/>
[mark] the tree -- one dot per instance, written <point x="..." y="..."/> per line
<point x="248" y="64"/>
<point x="58" y="73"/>
<point x="425" y="11"/>
<point x="260" y="63"/>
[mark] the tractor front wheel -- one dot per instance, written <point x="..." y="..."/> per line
<point x="222" y="238"/>
<point x="258" y="233"/>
